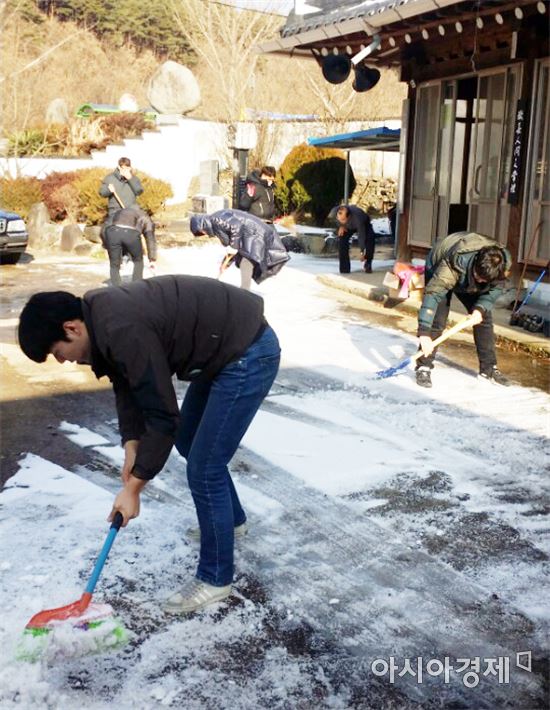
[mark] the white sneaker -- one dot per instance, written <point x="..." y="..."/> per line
<point x="194" y="596"/>
<point x="195" y="533"/>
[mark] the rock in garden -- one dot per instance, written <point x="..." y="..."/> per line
<point x="57" y="111"/>
<point x="83" y="249"/>
<point x="37" y="220"/>
<point x="50" y="235"/>
<point x="70" y="237"/>
<point x="173" y="89"/>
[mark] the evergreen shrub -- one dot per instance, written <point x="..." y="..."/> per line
<point x="311" y="181"/>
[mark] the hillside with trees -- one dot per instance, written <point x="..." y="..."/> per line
<point x="96" y="50"/>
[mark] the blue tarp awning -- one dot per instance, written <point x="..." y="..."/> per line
<point x="372" y="139"/>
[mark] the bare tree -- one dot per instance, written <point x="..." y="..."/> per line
<point x="336" y="103"/>
<point x="269" y="133"/>
<point x="339" y="103"/>
<point x="225" y="40"/>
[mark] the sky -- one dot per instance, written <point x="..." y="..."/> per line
<point x="279" y="7"/>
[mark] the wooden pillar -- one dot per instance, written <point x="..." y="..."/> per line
<point x="403" y="250"/>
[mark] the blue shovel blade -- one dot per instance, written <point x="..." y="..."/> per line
<point x="391" y="371"/>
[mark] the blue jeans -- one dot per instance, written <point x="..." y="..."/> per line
<point x="214" y="418"/>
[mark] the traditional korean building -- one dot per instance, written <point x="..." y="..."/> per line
<point x="475" y="139"/>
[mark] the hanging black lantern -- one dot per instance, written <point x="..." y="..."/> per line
<point x="336" y="68"/>
<point x="365" y="78"/>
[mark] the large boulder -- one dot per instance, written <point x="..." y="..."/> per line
<point x="51" y="235"/>
<point x="37" y="220"/>
<point x="173" y="89"/>
<point x="70" y="237"/>
<point x="57" y="111"/>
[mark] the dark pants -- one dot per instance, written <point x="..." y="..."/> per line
<point x="214" y="418"/>
<point x="119" y="240"/>
<point x="343" y="251"/>
<point x="369" y="246"/>
<point x="484" y="336"/>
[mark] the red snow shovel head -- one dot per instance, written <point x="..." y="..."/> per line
<point x="81" y="616"/>
<point x="62" y="613"/>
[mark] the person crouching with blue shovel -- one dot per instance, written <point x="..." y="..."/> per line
<point x="208" y="333"/>
<point x="474" y="268"/>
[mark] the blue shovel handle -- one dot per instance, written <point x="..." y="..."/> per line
<point x="115" y="527"/>
<point x="532" y="289"/>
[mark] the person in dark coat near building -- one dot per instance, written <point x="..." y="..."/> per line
<point x="203" y="331"/>
<point x="123" y="235"/>
<point x="353" y="219"/>
<point x="474" y="268"/>
<point x="258" y="197"/>
<point x="259" y="251"/>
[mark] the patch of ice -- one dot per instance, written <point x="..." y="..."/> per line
<point x="81" y="436"/>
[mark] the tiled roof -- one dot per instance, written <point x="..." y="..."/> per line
<point x="341" y="19"/>
<point x="333" y="12"/>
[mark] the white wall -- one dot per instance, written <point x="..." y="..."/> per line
<point x="174" y="152"/>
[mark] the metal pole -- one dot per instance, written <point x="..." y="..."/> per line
<point x="346" y="179"/>
<point x="240" y="169"/>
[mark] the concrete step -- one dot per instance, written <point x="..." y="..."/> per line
<point x="370" y="286"/>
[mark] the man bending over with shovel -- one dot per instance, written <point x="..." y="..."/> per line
<point x="255" y="245"/>
<point x="208" y="333"/>
<point x="123" y="235"/>
<point x="473" y="267"/>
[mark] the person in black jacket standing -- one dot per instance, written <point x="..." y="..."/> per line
<point x="211" y="334"/>
<point x="258" y="197"/>
<point x="353" y="219"/>
<point x="124" y="235"/>
<point x="120" y="186"/>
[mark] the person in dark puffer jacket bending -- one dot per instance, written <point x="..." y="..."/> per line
<point x="258" y="249"/>
<point x="474" y="268"/>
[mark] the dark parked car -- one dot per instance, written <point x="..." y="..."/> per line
<point x="13" y="237"/>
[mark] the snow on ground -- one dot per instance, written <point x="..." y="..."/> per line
<point x="385" y="520"/>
